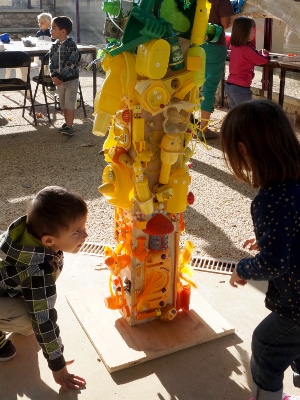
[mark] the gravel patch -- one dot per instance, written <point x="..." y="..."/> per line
<point x="33" y="157"/>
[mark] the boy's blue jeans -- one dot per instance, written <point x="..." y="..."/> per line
<point x="275" y="347"/>
<point x="237" y="94"/>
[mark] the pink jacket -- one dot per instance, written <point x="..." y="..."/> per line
<point x="241" y="66"/>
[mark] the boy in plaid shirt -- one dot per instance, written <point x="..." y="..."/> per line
<point x="33" y="249"/>
<point x="64" y="71"/>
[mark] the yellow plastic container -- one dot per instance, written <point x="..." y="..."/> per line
<point x="147" y="206"/>
<point x="179" y="182"/>
<point x="142" y="190"/>
<point x="153" y="58"/>
<point x="117" y="187"/>
<point x="196" y="60"/>
<point x="171" y="147"/>
<point x="200" y="23"/>
<point x="138" y="129"/>
<point x="130" y="78"/>
<point x="108" y="101"/>
<point x="154" y="98"/>
<point x="101" y="123"/>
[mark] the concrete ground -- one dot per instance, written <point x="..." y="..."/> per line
<point x="217" y="370"/>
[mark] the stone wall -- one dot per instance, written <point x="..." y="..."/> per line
<point x="23" y="22"/>
<point x="19" y="23"/>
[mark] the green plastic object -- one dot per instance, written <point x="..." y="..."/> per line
<point x="176" y="61"/>
<point x="213" y="32"/>
<point x="112" y="8"/>
<point x="168" y="10"/>
<point x="180" y="14"/>
<point x="141" y="27"/>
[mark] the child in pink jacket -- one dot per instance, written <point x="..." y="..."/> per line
<point x="243" y="58"/>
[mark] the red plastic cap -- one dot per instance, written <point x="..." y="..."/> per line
<point x="159" y="225"/>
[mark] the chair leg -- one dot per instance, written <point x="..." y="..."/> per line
<point x="35" y="92"/>
<point x="24" y="104"/>
<point x="32" y="105"/>
<point x="32" y="109"/>
<point x="45" y="97"/>
<point x="46" y="102"/>
<point x="81" y="99"/>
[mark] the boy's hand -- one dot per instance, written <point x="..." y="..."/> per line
<point x="56" y="81"/>
<point x="251" y="244"/>
<point x="68" y="381"/>
<point x="235" y="279"/>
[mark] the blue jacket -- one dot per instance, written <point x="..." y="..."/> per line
<point x="64" y="59"/>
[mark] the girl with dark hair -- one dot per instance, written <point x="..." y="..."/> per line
<point x="243" y="58"/>
<point x="261" y="149"/>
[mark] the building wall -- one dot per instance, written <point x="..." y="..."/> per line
<point x="91" y="18"/>
<point x="284" y="39"/>
<point x="19" y="22"/>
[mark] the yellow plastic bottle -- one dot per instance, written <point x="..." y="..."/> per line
<point x="108" y="100"/>
<point x="179" y="182"/>
<point x="196" y="56"/>
<point x="200" y="23"/>
<point x="170" y="148"/>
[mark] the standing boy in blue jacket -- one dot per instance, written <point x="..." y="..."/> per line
<point x="64" y="69"/>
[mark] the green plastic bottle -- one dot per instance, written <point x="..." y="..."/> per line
<point x="176" y="61"/>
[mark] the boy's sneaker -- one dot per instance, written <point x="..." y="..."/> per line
<point x="8" y="351"/>
<point x="67" y="131"/>
<point x="62" y="127"/>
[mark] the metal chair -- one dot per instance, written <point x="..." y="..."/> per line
<point x="17" y="59"/>
<point x="45" y="80"/>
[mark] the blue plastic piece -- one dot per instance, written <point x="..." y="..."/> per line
<point x="4" y="38"/>
<point x="237" y="5"/>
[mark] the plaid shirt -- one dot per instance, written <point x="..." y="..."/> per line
<point x="64" y="59"/>
<point x="30" y="270"/>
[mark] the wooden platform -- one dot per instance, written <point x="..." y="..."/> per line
<point x="121" y="346"/>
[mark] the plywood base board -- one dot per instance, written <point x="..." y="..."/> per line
<point x="121" y="346"/>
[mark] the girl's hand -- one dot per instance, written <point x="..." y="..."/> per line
<point x="68" y="381"/>
<point x="264" y="52"/>
<point x="251" y="244"/>
<point x="235" y="280"/>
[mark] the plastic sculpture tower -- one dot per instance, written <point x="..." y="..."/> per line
<point x="144" y="108"/>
